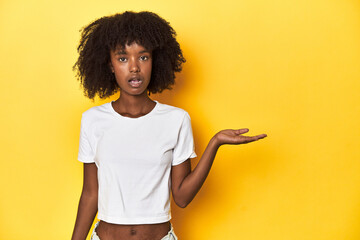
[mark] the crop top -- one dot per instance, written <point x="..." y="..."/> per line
<point x="134" y="158"/>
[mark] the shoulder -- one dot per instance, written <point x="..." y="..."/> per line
<point x="95" y="113"/>
<point x="172" y="111"/>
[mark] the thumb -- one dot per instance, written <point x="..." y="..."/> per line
<point x="241" y="131"/>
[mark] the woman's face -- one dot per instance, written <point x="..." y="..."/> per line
<point x="132" y="68"/>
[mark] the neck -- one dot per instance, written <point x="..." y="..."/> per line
<point x="134" y="104"/>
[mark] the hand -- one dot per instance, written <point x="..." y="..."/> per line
<point x="230" y="136"/>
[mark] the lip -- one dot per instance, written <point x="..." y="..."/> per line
<point x="137" y="77"/>
<point x="135" y="81"/>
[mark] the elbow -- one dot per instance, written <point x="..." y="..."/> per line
<point x="181" y="203"/>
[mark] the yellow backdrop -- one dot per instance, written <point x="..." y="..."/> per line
<point x="290" y="69"/>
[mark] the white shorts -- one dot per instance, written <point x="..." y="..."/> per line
<point x="170" y="236"/>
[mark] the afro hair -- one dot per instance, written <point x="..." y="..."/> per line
<point x="107" y="33"/>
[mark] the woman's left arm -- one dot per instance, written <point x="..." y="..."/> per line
<point x="185" y="183"/>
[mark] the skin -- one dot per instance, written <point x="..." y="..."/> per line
<point x="135" y="61"/>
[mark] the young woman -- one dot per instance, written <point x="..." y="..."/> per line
<point x="136" y="150"/>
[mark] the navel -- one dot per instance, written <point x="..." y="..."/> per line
<point x="132" y="232"/>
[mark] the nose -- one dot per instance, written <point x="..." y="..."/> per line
<point x="134" y="66"/>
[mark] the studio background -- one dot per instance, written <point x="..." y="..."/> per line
<point x="290" y="69"/>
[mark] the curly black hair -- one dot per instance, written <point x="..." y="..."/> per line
<point x="106" y="33"/>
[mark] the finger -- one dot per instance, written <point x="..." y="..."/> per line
<point x="258" y="137"/>
<point x="241" y="131"/>
<point x="261" y="136"/>
<point x="249" y="139"/>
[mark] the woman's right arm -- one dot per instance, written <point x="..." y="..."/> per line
<point x="88" y="205"/>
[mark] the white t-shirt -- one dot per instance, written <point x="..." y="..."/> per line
<point x="134" y="158"/>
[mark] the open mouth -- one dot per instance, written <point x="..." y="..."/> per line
<point x="135" y="82"/>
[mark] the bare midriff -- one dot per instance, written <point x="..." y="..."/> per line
<point x="110" y="231"/>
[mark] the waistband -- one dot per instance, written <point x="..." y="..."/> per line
<point x="170" y="236"/>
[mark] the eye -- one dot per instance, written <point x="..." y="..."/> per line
<point x="144" y="58"/>
<point x="122" y="59"/>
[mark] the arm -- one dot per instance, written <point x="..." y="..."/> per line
<point x="185" y="183"/>
<point x="88" y="203"/>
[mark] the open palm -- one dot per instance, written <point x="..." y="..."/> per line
<point x="234" y="136"/>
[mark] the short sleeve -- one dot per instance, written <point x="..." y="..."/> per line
<point x="86" y="153"/>
<point x="185" y="147"/>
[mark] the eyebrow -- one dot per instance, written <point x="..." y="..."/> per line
<point x="123" y="52"/>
